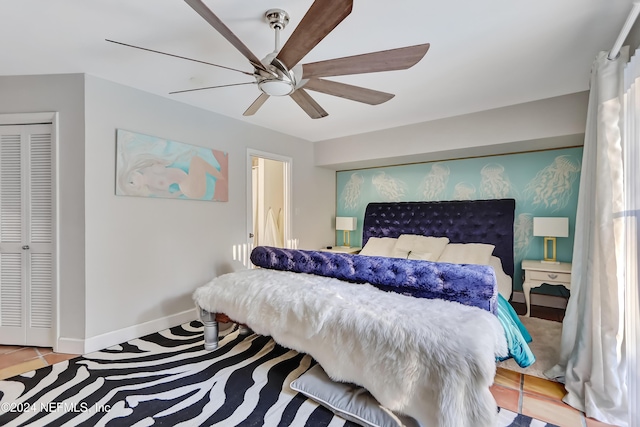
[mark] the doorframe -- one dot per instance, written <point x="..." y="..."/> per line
<point x="288" y="168"/>
<point x="50" y="117"/>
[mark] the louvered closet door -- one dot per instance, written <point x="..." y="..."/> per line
<point x="26" y="235"/>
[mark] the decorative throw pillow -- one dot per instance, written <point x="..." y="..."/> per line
<point x="426" y="248"/>
<point x="379" y="246"/>
<point x="348" y="401"/>
<point x="430" y="245"/>
<point x="467" y="253"/>
<point x="403" y="246"/>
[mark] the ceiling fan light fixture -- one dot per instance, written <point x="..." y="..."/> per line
<point x="279" y="81"/>
<point x="276" y="87"/>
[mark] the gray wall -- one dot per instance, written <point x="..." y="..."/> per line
<point x="64" y="94"/>
<point x="145" y="257"/>
<point x="537" y="125"/>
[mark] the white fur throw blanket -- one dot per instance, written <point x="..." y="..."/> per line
<point x="431" y="359"/>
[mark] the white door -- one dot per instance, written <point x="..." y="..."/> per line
<point x="26" y="235"/>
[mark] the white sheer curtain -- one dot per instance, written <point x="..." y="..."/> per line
<point x="631" y="151"/>
<point x="592" y="359"/>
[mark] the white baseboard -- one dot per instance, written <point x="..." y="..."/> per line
<point x="541" y="300"/>
<point x="69" y="346"/>
<point x="99" y="342"/>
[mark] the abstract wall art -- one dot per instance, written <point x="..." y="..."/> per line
<point x="148" y="166"/>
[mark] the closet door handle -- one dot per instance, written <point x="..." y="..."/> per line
<point x="25" y="247"/>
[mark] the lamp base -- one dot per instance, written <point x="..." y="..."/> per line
<point x="550" y="259"/>
<point x="346" y="239"/>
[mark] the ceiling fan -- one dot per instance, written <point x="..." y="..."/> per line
<point x="281" y="74"/>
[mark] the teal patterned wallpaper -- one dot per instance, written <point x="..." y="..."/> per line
<point x="544" y="183"/>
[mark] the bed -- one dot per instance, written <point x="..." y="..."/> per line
<point x="426" y="346"/>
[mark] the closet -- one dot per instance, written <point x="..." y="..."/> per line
<point x="26" y="235"/>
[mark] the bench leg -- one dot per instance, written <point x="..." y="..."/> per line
<point x="210" y="329"/>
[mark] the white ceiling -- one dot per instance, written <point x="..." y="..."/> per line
<point x="484" y="54"/>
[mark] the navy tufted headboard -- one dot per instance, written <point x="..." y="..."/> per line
<point x="464" y="221"/>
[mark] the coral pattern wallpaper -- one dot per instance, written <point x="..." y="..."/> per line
<point x="543" y="183"/>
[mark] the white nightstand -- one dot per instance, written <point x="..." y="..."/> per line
<point x="342" y="249"/>
<point x="537" y="273"/>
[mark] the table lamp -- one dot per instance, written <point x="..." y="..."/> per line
<point x="550" y="228"/>
<point x="347" y="224"/>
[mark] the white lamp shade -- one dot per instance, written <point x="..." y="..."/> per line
<point x="551" y="227"/>
<point x="346" y="223"/>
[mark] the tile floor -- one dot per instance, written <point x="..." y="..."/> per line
<point x="532" y="396"/>
<point x="16" y="360"/>
<point x="537" y="398"/>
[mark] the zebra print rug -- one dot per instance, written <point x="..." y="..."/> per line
<point x="168" y="379"/>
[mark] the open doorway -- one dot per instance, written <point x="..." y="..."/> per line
<point x="268" y="200"/>
<point x="267" y="196"/>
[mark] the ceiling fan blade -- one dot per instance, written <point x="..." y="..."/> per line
<point x="216" y="23"/>
<point x="308" y="104"/>
<point x="343" y="90"/>
<point x="210" y="87"/>
<point x="256" y="105"/>
<point x="385" y="60"/>
<point x="178" y="56"/>
<point x="321" y="18"/>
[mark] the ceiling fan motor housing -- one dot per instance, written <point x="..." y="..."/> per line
<point x="280" y="81"/>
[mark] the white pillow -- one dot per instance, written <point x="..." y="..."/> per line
<point x="423" y="256"/>
<point x="348" y="401"/>
<point x="429" y="245"/>
<point x="403" y="246"/>
<point x="467" y="253"/>
<point x="426" y="248"/>
<point x="379" y="246"/>
<point x="505" y="284"/>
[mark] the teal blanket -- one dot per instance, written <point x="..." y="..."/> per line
<point x="517" y="335"/>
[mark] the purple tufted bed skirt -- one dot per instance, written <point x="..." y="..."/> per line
<point x="468" y="284"/>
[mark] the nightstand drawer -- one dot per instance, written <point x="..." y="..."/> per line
<point x="549" y="276"/>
